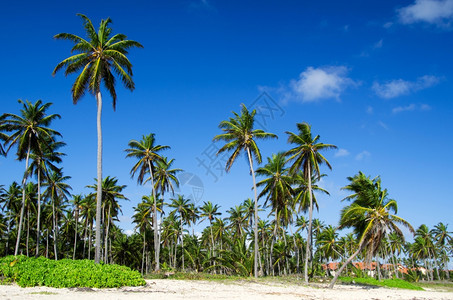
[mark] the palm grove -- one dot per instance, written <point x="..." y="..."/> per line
<point x="41" y="217"/>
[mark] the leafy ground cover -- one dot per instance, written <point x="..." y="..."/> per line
<point x="30" y="271"/>
<point x="392" y="283"/>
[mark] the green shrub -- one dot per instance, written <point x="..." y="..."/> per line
<point x="30" y="271"/>
<point x="394" y="283"/>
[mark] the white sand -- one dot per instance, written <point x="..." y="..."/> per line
<point x="201" y="290"/>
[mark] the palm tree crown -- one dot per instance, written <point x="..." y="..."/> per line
<point x="98" y="56"/>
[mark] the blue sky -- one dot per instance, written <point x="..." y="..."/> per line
<point x="373" y="78"/>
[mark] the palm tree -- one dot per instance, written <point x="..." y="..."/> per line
<point x="305" y="156"/>
<point x="443" y="237"/>
<point x="147" y="154"/>
<point x="11" y="199"/>
<point x="42" y="162"/>
<point x="98" y="56"/>
<point x="370" y="215"/>
<point x="111" y="193"/>
<point x="209" y="212"/>
<point x="239" y="135"/>
<point x="57" y="191"/>
<point x="77" y="201"/>
<point x="88" y="213"/>
<point x="30" y="132"/>
<point x="182" y="208"/>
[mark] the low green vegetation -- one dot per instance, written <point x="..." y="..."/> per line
<point x="30" y="271"/>
<point x="392" y="283"/>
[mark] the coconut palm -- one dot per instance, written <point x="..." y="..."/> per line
<point x="181" y="207"/>
<point x="306" y="156"/>
<point x="77" y="202"/>
<point x="30" y="132"/>
<point x="57" y="191"/>
<point x="240" y="135"/>
<point x="11" y="199"/>
<point x="209" y="212"/>
<point x="443" y="237"/>
<point x="370" y="215"/>
<point x="98" y="56"/>
<point x="43" y="162"/>
<point x="147" y="154"/>
<point x="88" y="213"/>
<point x="111" y="193"/>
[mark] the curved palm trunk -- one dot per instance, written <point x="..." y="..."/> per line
<point x="24" y="181"/>
<point x="97" y="256"/>
<point x="156" y="235"/>
<point x="308" y="253"/>
<point x="348" y="261"/>
<point x="255" y="225"/>
<point x="38" y="225"/>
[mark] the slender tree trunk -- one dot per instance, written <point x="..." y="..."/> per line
<point x="143" y="253"/>
<point x="54" y="229"/>
<point x="89" y="240"/>
<point x="274" y="236"/>
<point x="255" y="225"/>
<point x="75" y="234"/>
<point x="308" y="253"/>
<point x="106" y="237"/>
<point x="156" y="232"/>
<point x="85" y="230"/>
<point x="335" y="278"/>
<point x="47" y="243"/>
<point x="24" y="181"/>
<point x="38" y="217"/>
<point x="182" y="243"/>
<point x="28" y="229"/>
<point x="9" y="231"/>
<point x="97" y="256"/>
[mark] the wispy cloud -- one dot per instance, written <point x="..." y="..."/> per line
<point x="411" y="107"/>
<point x="362" y="155"/>
<point x="399" y="87"/>
<point x="438" y="12"/>
<point x="341" y="152"/>
<point x="315" y="84"/>
<point x="370" y="110"/>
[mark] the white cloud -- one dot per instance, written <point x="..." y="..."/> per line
<point x="315" y="84"/>
<point x="341" y="152"/>
<point x="430" y="11"/>
<point x="388" y="25"/>
<point x="362" y="155"/>
<point x="411" y="107"/>
<point x="399" y="87"/>
<point x="369" y="110"/>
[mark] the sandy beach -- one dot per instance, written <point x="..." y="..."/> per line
<point x="184" y="289"/>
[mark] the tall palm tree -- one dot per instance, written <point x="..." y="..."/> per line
<point x="57" y="191"/>
<point x="147" y="154"/>
<point x="77" y="201"/>
<point x="111" y="193"/>
<point x="42" y="163"/>
<point x="209" y="212"/>
<point x="240" y="135"/>
<point x="97" y="57"/>
<point x="30" y="132"/>
<point x="370" y="215"/>
<point x="11" y="199"/>
<point x="182" y="208"/>
<point x="443" y="237"/>
<point x="306" y="156"/>
<point x="88" y="213"/>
